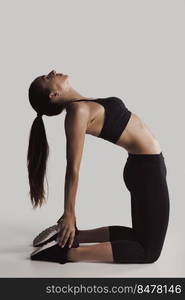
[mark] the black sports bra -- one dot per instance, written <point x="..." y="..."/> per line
<point x="116" y="117"/>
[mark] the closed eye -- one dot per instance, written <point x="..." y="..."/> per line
<point x="47" y="77"/>
<point x="44" y="77"/>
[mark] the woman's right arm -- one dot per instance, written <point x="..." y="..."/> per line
<point x="76" y="123"/>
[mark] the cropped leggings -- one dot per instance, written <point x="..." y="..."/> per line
<point x="145" y="178"/>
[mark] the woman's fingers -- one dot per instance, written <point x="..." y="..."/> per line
<point x="71" y="239"/>
<point x="65" y="239"/>
<point x="61" y="236"/>
<point x="66" y="235"/>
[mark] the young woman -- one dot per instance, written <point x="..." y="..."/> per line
<point x="144" y="175"/>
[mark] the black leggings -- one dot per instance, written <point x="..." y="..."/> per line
<point x="145" y="178"/>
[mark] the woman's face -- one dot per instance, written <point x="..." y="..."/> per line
<point x="56" y="83"/>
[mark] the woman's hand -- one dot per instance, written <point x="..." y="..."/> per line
<point x="66" y="230"/>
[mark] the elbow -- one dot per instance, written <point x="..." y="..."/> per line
<point x="72" y="172"/>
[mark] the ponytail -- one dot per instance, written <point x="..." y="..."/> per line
<point x="37" y="155"/>
<point x="38" y="148"/>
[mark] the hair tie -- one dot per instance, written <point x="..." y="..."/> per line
<point x="39" y="115"/>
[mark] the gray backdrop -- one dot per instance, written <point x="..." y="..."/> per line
<point x="132" y="49"/>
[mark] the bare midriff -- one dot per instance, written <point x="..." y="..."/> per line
<point x="136" y="138"/>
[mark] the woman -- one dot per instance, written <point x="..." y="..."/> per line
<point x="144" y="175"/>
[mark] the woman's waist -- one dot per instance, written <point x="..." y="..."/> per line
<point x="144" y="146"/>
<point x="138" y="138"/>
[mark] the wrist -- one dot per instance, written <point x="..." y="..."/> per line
<point x="69" y="214"/>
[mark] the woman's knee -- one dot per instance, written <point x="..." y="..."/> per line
<point x="125" y="251"/>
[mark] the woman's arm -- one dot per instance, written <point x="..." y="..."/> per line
<point x="76" y="122"/>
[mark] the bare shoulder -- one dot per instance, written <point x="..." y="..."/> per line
<point x="77" y="107"/>
<point x="77" y="116"/>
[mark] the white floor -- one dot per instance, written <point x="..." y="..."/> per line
<point x="16" y="248"/>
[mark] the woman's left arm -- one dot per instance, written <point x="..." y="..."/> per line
<point x="76" y="122"/>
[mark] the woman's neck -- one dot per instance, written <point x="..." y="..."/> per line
<point x="73" y="95"/>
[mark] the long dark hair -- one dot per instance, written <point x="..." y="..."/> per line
<point x="38" y="148"/>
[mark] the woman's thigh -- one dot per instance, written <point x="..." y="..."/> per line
<point x="146" y="180"/>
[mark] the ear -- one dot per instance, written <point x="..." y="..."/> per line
<point x="54" y="95"/>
